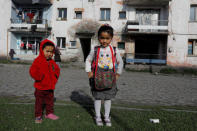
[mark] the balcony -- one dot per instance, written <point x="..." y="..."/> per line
<point x="30" y="2"/>
<point x="151" y="27"/>
<point x="34" y="25"/>
<point x="146" y="2"/>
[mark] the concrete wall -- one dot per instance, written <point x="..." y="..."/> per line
<point x="13" y="12"/>
<point x="5" y="6"/>
<point x="180" y="28"/>
<point x="91" y="12"/>
<point x="180" y="31"/>
<point x="13" y="41"/>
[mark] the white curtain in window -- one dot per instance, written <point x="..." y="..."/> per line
<point x="147" y="17"/>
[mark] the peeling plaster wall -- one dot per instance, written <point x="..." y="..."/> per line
<point x="5" y="6"/>
<point x="180" y="31"/>
<point x="91" y="12"/>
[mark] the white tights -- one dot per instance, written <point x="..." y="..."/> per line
<point x="107" y="107"/>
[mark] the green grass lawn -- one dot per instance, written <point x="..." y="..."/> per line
<point x="74" y="117"/>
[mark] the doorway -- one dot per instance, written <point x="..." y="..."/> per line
<point x="151" y="47"/>
<point x="86" y="46"/>
<point x="146" y="49"/>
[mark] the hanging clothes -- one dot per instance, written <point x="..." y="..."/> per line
<point x="31" y="16"/>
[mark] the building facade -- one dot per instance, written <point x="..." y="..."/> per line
<point x="147" y="31"/>
<point x="182" y="33"/>
<point x="4" y="26"/>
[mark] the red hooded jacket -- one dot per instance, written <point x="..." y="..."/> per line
<point x="45" y="73"/>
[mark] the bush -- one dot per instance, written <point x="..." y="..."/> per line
<point x="168" y="71"/>
<point x="190" y="71"/>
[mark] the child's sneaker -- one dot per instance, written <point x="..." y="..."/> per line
<point x="98" y="121"/>
<point x="38" y="119"/>
<point x="108" y="121"/>
<point x="51" y="116"/>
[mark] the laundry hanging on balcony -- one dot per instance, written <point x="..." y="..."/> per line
<point x="31" y="16"/>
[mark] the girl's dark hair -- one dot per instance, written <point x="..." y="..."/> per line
<point x="48" y="44"/>
<point x="106" y="28"/>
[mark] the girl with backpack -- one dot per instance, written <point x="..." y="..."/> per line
<point x="104" y="65"/>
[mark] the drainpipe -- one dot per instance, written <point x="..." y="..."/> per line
<point x="7" y="44"/>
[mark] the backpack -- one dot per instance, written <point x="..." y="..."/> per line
<point x="103" y="79"/>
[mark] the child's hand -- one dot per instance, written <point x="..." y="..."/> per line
<point x="90" y="74"/>
<point x="117" y="76"/>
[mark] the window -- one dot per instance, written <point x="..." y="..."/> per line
<point x="121" y="45"/>
<point x="192" y="47"/>
<point x="122" y="15"/>
<point x="62" y="13"/>
<point x="105" y="14"/>
<point x="78" y="14"/>
<point x="73" y="44"/>
<point x="29" y="44"/>
<point x="61" y="42"/>
<point x="193" y="13"/>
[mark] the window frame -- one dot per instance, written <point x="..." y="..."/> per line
<point x="121" y="48"/>
<point x="73" y="47"/>
<point x="193" y="44"/>
<point x="76" y="14"/>
<point x="194" y="19"/>
<point x="105" y="14"/>
<point x="63" y="15"/>
<point x="122" y="12"/>
<point x="61" y="42"/>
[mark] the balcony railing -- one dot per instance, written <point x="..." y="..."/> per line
<point x="148" y="26"/>
<point x="39" y="25"/>
<point x="31" y="2"/>
<point x="146" y="2"/>
<point x="28" y="21"/>
<point x="146" y="58"/>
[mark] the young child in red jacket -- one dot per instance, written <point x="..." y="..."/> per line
<point x="45" y="72"/>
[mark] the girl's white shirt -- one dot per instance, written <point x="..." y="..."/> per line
<point x="105" y="59"/>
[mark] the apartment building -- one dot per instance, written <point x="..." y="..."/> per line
<point x="75" y="24"/>
<point x="30" y="23"/>
<point x="182" y="36"/>
<point x="146" y="31"/>
<point x="4" y="26"/>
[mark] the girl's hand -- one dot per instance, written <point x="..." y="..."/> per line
<point x="90" y="74"/>
<point x="117" y="76"/>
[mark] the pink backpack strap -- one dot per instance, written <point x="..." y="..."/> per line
<point x="113" y="61"/>
<point x="97" y="56"/>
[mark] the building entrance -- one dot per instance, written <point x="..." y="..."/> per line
<point x="86" y="46"/>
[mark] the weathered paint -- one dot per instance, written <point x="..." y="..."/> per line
<point x="181" y="29"/>
<point x="120" y="2"/>
<point x="90" y="15"/>
<point x="5" y="13"/>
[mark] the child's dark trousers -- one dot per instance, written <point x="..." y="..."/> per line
<point x="44" y="97"/>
